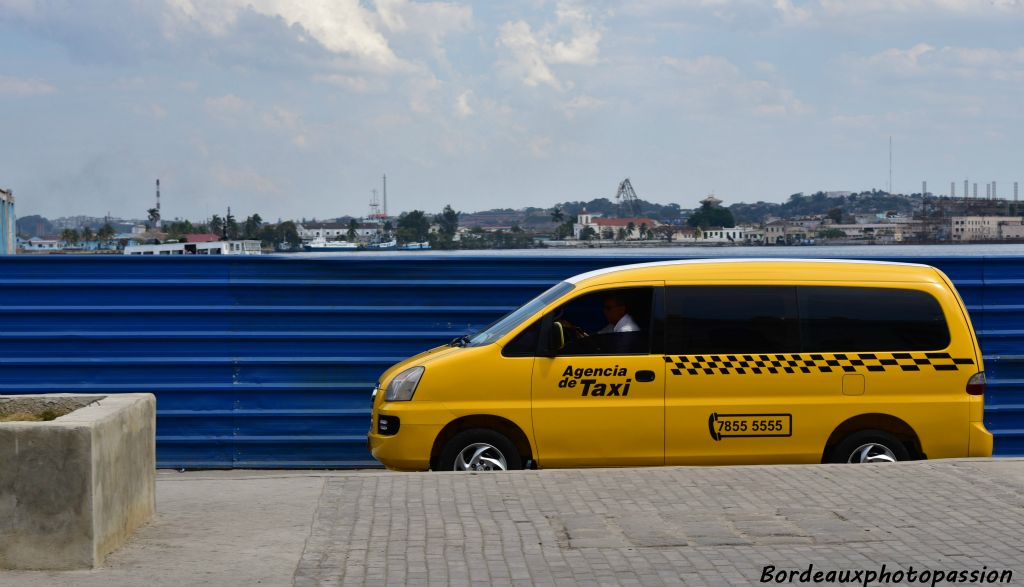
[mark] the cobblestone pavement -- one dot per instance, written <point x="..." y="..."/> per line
<point x="654" y="526"/>
<point x="665" y="526"/>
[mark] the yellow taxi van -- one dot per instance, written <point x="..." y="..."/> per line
<point x="699" y="362"/>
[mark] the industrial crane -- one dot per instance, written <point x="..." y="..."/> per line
<point x="627" y="195"/>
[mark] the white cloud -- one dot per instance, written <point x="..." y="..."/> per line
<point x="227" y="106"/>
<point x="463" y="109"/>
<point x="792" y="14"/>
<point x="829" y="12"/>
<point x="422" y="92"/>
<point x="715" y="84"/>
<point x="244" y="179"/>
<point x="845" y="8"/>
<point x="340" y="26"/>
<point x="531" y="53"/>
<point x="13" y="86"/>
<point x="354" y="84"/>
<point x="236" y="112"/>
<point x="287" y="121"/>
<point x="527" y="54"/>
<point x="705" y="66"/>
<point x="540" y="147"/>
<point x="925" y="61"/>
<point x="439" y="18"/>
<point x="357" y="34"/>
<point x="581" y="104"/>
<point x="583" y="47"/>
<point x="344" y="27"/>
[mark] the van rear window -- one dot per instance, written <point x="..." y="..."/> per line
<point x="851" y="319"/>
<point x="731" y="319"/>
<point x="811" y="319"/>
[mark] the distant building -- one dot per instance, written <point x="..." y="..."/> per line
<point x="977" y="228"/>
<point x="879" y="231"/>
<point x="200" y="248"/>
<point x="37" y="245"/>
<point x="335" y="230"/>
<point x="201" y="238"/>
<point x="8" y="228"/>
<point x="602" y="226"/>
<point x="741" y="235"/>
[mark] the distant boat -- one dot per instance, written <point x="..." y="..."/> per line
<point x="384" y="245"/>
<point x="322" y="245"/>
<point x="415" y="246"/>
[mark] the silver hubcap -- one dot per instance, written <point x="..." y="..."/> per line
<point x="480" y="457"/>
<point x="872" y="452"/>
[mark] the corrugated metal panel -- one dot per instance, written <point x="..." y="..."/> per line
<point x="268" y="361"/>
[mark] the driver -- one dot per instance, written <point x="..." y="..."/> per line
<point x="617" y="315"/>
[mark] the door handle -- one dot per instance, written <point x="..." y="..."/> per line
<point x="644" y="376"/>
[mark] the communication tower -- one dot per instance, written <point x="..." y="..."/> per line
<point x="375" y="205"/>
<point x="158" y="221"/>
<point x="626" y="195"/>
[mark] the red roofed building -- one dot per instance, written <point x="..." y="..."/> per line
<point x="201" y="238"/>
<point x="602" y="225"/>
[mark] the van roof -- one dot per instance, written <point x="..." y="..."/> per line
<point x="768" y="269"/>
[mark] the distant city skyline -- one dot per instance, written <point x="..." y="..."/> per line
<point x="1011" y="194"/>
<point x="296" y="108"/>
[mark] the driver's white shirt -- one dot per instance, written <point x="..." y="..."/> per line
<point x="625" y="324"/>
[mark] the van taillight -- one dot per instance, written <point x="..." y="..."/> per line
<point x="976" y="384"/>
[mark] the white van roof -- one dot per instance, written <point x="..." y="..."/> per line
<point x="599" y="272"/>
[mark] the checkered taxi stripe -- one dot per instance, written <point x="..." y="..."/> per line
<point x="810" y="363"/>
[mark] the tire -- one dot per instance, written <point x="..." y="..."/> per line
<point x="869" y="446"/>
<point x="479" y="449"/>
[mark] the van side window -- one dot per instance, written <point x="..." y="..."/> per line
<point x="704" y="320"/>
<point x="851" y="319"/>
<point x="525" y="343"/>
<point x="607" y="322"/>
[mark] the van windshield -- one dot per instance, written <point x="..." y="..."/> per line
<point x="516" y="317"/>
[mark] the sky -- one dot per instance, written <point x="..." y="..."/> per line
<point x="295" y="108"/>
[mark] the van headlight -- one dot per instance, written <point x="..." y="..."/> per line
<point x="403" y="385"/>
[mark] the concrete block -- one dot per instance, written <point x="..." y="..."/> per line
<point x="73" y="489"/>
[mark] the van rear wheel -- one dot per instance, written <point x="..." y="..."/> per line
<point x="869" y="446"/>
<point x="479" y="449"/>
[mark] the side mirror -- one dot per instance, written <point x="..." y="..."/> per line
<point x="556" y="340"/>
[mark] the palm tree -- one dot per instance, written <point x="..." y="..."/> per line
<point x="557" y="215"/>
<point x="621" y="234"/>
<point x="217" y="225"/>
<point x="106" y="232"/>
<point x="643" y="231"/>
<point x="629" y="230"/>
<point x="87" y="234"/>
<point x="352" y="226"/>
<point x="69" y="236"/>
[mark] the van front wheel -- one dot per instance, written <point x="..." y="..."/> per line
<point x="869" y="446"/>
<point x="479" y="449"/>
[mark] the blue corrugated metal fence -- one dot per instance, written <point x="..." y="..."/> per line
<point x="269" y="361"/>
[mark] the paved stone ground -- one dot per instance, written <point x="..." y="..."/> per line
<point x="654" y="526"/>
<point x="665" y="526"/>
